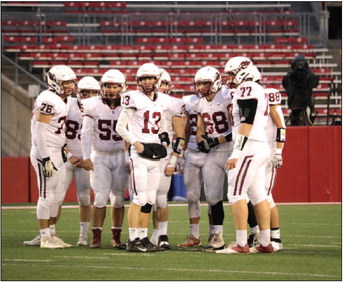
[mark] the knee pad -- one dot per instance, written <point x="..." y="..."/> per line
<point x="43" y="208"/>
<point x="146" y="208"/>
<point x="161" y="201"/>
<point x="257" y="198"/>
<point x="140" y="199"/>
<point x="194" y="209"/>
<point x="117" y="201"/>
<point x="233" y="199"/>
<point x="217" y="212"/>
<point x="151" y="197"/>
<point x="59" y="197"/>
<point x="192" y="197"/>
<point x="84" y="199"/>
<point x="100" y="200"/>
<point x="271" y="201"/>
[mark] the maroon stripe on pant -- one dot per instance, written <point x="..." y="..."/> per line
<point x="244" y="175"/>
<point x="271" y="184"/>
<point x="132" y="177"/>
<point x="42" y="182"/>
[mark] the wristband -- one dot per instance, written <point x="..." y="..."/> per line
<point x="281" y="135"/>
<point x="278" y="151"/>
<point x="228" y="137"/>
<point x="240" y="142"/>
<point x="172" y="161"/>
<point x="178" y="145"/>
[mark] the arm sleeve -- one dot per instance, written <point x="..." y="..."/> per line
<point x="87" y="136"/>
<point x="41" y="129"/>
<point x="122" y="123"/>
<point x="247" y="110"/>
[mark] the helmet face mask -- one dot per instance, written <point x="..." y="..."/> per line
<point x="207" y="80"/>
<point x="148" y="78"/>
<point x="61" y="79"/>
<point x="113" y="84"/>
<point x="240" y="67"/>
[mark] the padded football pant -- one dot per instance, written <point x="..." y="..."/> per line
<point x="270" y="176"/>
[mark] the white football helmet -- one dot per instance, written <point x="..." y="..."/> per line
<point x="58" y="74"/>
<point x="256" y="74"/>
<point x="166" y="79"/>
<point x="112" y="76"/>
<point x="240" y="68"/>
<point x="208" y="74"/>
<point x="148" y="70"/>
<point x="87" y="83"/>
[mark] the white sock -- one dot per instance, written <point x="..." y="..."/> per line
<point x="275" y="233"/>
<point x="133" y="233"/>
<point x="84" y="226"/>
<point x="142" y="233"/>
<point x="44" y="232"/>
<point x="162" y="228"/>
<point x="211" y="230"/>
<point x="155" y="234"/>
<point x="242" y="237"/>
<point x="264" y="239"/>
<point x="195" y="230"/>
<point x="217" y="228"/>
<point x="52" y="229"/>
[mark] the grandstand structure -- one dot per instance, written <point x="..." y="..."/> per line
<point x="92" y="37"/>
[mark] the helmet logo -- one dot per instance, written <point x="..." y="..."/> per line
<point x="244" y="65"/>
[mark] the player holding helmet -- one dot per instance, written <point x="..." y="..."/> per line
<point x="213" y="138"/>
<point x="104" y="155"/>
<point x="175" y="125"/>
<point x="247" y="163"/>
<point x="48" y="138"/>
<point x="141" y="125"/>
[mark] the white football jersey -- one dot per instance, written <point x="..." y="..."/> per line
<point x="274" y="99"/>
<point x="144" y="124"/>
<point x="216" y="115"/>
<point x="50" y="103"/>
<point x="189" y="100"/>
<point x="252" y="90"/>
<point x="73" y="127"/>
<point x="105" y="139"/>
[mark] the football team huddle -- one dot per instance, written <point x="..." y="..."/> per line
<point x="110" y="138"/>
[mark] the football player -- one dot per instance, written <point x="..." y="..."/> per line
<point x="104" y="155"/>
<point x="215" y="139"/>
<point x="175" y="125"/>
<point x="248" y="160"/>
<point x="48" y="139"/>
<point x="141" y="124"/>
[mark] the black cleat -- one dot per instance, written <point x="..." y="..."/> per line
<point x="252" y="239"/>
<point x="163" y="242"/>
<point x="150" y="247"/>
<point x="135" y="246"/>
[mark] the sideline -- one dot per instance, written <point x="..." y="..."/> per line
<point x="176" y="205"/>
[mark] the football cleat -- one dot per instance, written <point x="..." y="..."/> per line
<point x="252" y="239"/>
<point x="154" y="240"/>
<point x="115" y="241"/>
<point x="277" y="246"/>
<point x="215" y="242"/>
<point x="34" y="242"/>
<point x="163" y="242"/>
<point x="149" y="246"/>
<point x="82" y="241"/>
<point x="58" y="240"/>
<point x="191" y="241"/>
<point x="262" y="249"/>
<point x="47" y="242"/>
<point x="96" y="241"/>
<point x="135" y="246"/>
<point x="235" y="249"/>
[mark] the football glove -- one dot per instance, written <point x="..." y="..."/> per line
<point x="164" y="137"/>
<point x="277" y="160"/>
<point x="203" y="147"/>
<point x="212" y="142"/>
<point x="64" y="152"/>
<point x="48" y="167"/>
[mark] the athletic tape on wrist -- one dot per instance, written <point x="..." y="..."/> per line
<point x="178" y="145"/>
<point x="172" y="161"/>
<point x="240" y="142"/>
<point x="281" y="135"/>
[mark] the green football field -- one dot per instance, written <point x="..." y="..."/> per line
<point x="311" y="236"/>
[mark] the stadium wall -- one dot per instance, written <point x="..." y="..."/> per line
<point x="312" y="170"/>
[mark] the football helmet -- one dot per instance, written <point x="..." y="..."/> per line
<point x="239" y="69"/>
<point x="256" y="74"/>
<point x="110" y="94"/>
<point x="211" y="75"/>
<point x="165" y="82"/>
<point x="86" y="86"/>
<point x="148" y="70"/>
<point x="59" y="74"/>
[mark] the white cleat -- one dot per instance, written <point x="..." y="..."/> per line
<point x="58" y="240"/>
<point x="34" y="242"/>
<point x="277" y="246"/>
<point x="235" y="249"/>
<point x="82" y="242"/>
<point x="47" y="242"/>
<point x="215" y="242"/>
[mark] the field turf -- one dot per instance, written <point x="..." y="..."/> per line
<point x="311" y="236"/>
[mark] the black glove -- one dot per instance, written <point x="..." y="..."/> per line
<point x="203" y="147"/>
<point x="64" y="153"/>
<point x="48" y="167"/>
<point x="164" y="137"/>
<point x="153" y="151"/>
<point x="212" y="142"/>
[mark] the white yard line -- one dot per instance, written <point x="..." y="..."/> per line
<point x="178" y="205"/>
<point x="254" y="273"/>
